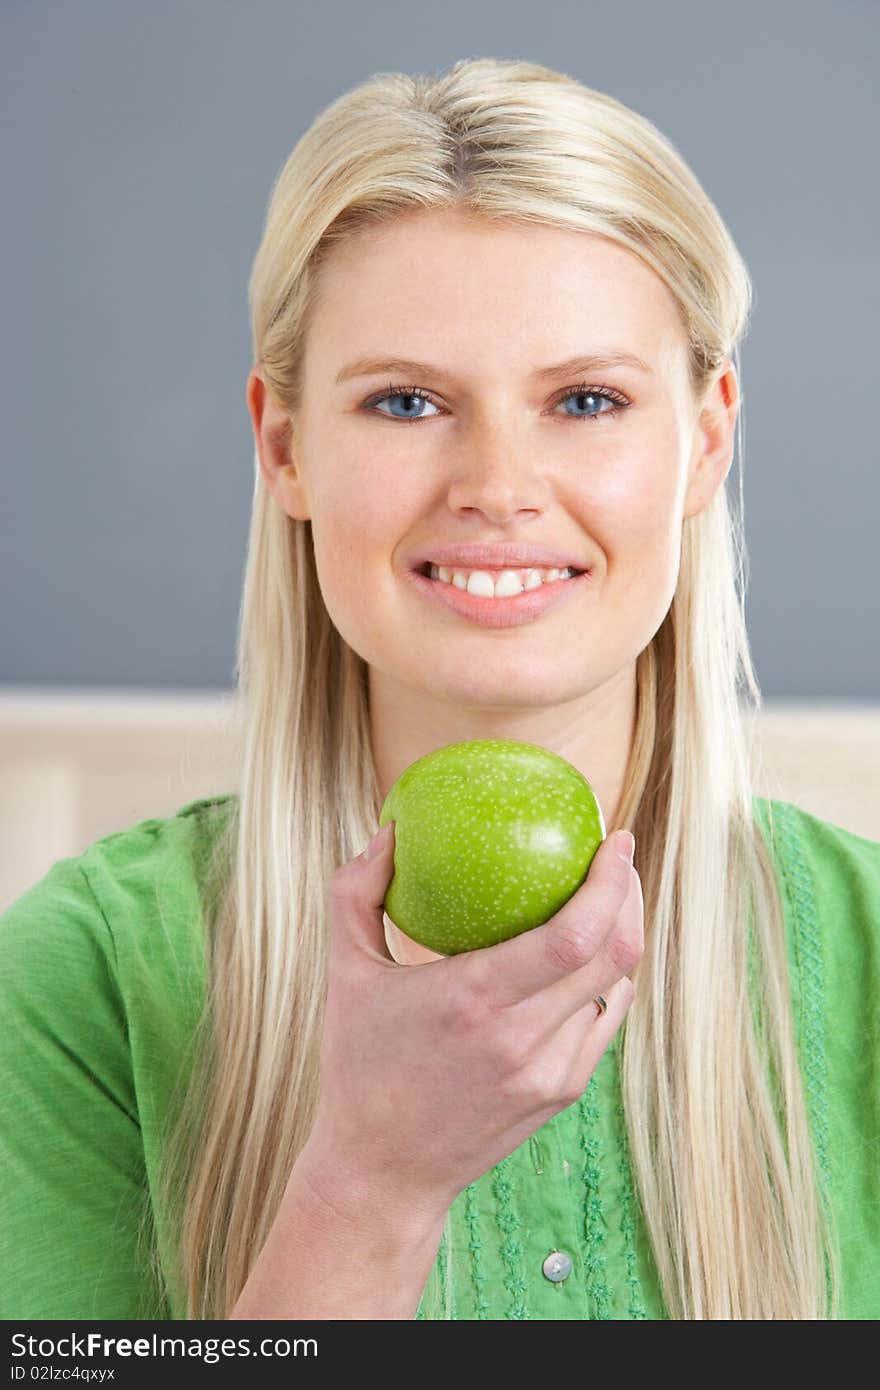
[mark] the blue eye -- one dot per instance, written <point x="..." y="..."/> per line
<point x="413" y="394"/>
<point x="404" y="393"/>
<point x="594" y="393"/>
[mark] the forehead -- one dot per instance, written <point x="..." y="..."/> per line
<point x="442" y="274"/>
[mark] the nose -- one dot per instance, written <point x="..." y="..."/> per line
<point x="495" y="476"/>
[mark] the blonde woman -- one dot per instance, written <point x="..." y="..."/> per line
<point x="496" y="322"/>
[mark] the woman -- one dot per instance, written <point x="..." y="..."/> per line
<point x="636" y="1110"/>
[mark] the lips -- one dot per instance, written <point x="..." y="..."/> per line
<point x="509" y="612"/>
<point x="510" y="555"/>
<point x="425" y="569"/>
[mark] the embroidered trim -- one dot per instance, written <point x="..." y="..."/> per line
<point x="595" y="1261"/>
<point x="475" y="1246"/>
<point x="512" y="1252"/>
<point x="808" y="956"/>
<point x="441" y="1268"/>
<point x="636" y="1307"/>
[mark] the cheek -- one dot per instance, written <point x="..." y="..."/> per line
<point x="648" y="506"/>
<point x="648" y="571"/>
<point x="348" y="597"/>
<point x="355" y="531"/>
<point x="641" y="533"/>
<point x="365" y="501"/>
<point x="633" y="506"/>
<point x="351" y="519"/>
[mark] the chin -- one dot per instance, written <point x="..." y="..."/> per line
<point x="492" y="698"/>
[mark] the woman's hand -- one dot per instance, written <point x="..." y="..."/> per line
<point x="431" y="1074"/>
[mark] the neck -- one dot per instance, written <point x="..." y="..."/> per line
<point x="593" y="732"/>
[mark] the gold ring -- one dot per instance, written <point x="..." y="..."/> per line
<point x="603" y="1005"/>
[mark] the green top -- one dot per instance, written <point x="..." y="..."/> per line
<point x="102" y="976"/>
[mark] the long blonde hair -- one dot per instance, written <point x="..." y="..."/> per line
<point x="713" y="1096"/>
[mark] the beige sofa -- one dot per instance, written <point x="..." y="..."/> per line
<point x="76" y="765"/>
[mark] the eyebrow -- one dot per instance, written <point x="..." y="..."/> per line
<point x="593" y="362"/>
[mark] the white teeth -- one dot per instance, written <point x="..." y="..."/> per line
<point x="502" y="585"/>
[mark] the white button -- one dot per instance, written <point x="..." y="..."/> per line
<point x="557" y="1266"/>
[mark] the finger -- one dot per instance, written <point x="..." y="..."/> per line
<point x="585" y="1036"/>
<point x="530" y="962"/>
<point x="357" y="896"/>
<point x="576" y="1050"/>
<point x="617" y="956"/>
<point x="597" y="1036"/>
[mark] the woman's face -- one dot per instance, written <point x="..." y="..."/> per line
<point x="502" y="451"/>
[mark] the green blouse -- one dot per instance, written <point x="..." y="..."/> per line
<point x="102" y="977"/>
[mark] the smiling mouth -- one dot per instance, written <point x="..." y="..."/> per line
<point x="531" y="577"/>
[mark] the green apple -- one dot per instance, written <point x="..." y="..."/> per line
<point x="491" y="837"/>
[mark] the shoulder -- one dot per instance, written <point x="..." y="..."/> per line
<point x="101" y="986"/>
<point x="131" y="894"/>
<point x="830" y="880"/>
<point x="827" y="871"/>
<point x="784" y="820"/>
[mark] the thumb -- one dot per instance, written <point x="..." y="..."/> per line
<point x="360" y="887"/>
<point x="382" y="841"/>
<point x="609" y="871"/>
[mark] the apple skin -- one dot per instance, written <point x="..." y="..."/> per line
<point x="491" y="837"/>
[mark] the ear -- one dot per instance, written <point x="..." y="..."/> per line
<point x="273" y="435"/>
<point x="713" y="441"/>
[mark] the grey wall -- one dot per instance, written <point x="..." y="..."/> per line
<point x="139" y="144"/>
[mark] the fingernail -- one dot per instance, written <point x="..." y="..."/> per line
<point x="625" y="844"/>
<point x="378" y="841"/>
